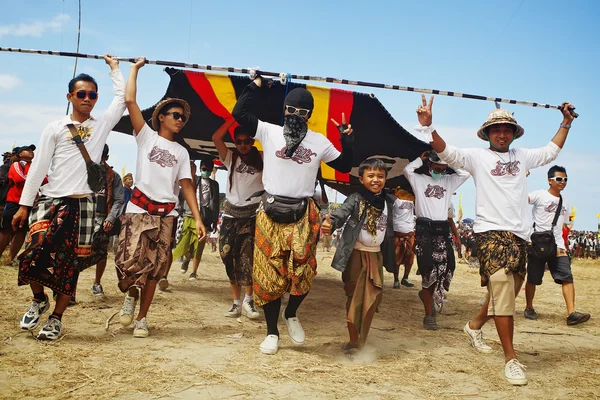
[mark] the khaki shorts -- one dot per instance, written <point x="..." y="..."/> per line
<point x="503" y="289"/>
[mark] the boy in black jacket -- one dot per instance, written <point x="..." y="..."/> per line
<point x="366" y="245"/>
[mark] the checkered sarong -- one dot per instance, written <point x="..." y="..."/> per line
<point x="60" y="234"/>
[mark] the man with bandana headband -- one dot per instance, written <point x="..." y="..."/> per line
<point x="433" y="187"/>
<point x="287" y="222"/>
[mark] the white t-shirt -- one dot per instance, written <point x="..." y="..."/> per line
<point x="365" y="238"/>
<point x="544" y="208"/>
<point x="247" y="180"/>
<point x="501" y="184"/>
<point x="433" y="197"/>
<point x="292" y="177"/>
<point x="160" y="165"/>
<point x="58" y="152"/>
<point x="403" y="216"/>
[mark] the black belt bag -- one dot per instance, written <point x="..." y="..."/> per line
<point x="543" y="244"/>
<point x="284" y="210"/>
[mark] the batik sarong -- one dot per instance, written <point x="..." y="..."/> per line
<point x="284" y="256"/>
<point x="435" y="257"/>
<point x="363" y="284"/>
<point x="144" y="249"/>
<point x="403" y="245"/>
<point x="500" y="250"/>
<point x="236" y="247"/>
<point x="60" y="235"/>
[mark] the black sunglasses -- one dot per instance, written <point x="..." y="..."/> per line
<point x="559" y="179"/>
<point x="239" y="142"/>
<point x="176" y="115"/>
<point x="82" y="93"/>
<point x="303" y="112"/>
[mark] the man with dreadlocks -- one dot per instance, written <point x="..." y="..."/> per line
<point x="433" y="186"/>
<point x="502" y="226"/>
<point x="236" y="239"/>
<point x="287" y="223"/>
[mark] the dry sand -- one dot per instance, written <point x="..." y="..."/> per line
<point x="195" y="352"/>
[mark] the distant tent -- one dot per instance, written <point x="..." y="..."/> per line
<point x="212" y="97"/>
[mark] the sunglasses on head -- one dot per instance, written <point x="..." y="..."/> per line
<point x="303" y="112"/>
<point x="82" y="93"/>
<point x="242" y="141"/>
<point x="177" y="115"/>
<point x="559" y="179"/>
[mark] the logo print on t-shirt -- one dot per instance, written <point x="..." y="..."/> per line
<point x="406" y="205"/>
<point x="244" y="168"/>
<point x="434" y="191"/>
<point x="162" y="157"/>
<point x="551" y="208"/>
<point x="511" y="167"/>
<point x="302" y="155"/>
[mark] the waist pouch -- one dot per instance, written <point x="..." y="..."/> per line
<point x="153" y="207"/>
<point x="282" y="209"/>
<point x="434" y="227"/>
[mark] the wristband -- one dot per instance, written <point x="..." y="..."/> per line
<point x="565" y="126"/>
<point x="426" y="131"/>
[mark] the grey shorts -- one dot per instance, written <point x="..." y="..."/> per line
<point x="560" y="269"/>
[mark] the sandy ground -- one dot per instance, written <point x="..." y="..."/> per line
<point x="195" y="352"/>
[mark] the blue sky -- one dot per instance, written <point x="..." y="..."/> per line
<point x="543" y="51"/>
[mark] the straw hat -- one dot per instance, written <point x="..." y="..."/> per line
<point x="162" y="103"/>
<point x="500" y="116"/>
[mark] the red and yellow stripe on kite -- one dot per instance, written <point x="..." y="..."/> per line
<point x="219" y="96"/>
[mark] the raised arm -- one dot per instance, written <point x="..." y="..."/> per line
<point x="561" y="135"/>
<point x="218" y="136"/>
<point x="115" y="110"/>
<point x="344" y="161"/>
<point x="241" y="111"/>
<point x="137" y="119"/>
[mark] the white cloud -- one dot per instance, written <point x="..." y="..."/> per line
<point x="34" y="28"/>
<point x="8" y="82"/>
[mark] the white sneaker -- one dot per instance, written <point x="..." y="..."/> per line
<point x="127" y="310"/>
<point x="234" y="312"/>
<point x="51" y="330"/>
<point x="294" y="328"/>
<point x="476" y="337"/>
<point x="140" y="328"/>
<point x="249" y="310"/>
<point x="31" y="319"/>
<point x="270" y="344"/>
<point x="514" y="372"/>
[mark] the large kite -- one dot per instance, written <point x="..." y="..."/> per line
<point x="212" y="97"/>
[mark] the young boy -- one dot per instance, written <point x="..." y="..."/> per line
<point x="366" y="245"/>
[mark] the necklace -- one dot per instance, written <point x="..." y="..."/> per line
<point x="509" y="164"/>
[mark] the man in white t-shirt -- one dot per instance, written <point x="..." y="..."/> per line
<point x="502" y="226"/>
<point x="287" y="223"/>
<point x="62" y="218"/>
<point x="433" y="186"/>
<point x="404" y="237"/>
<point x="236" y="240"/>
<point x="163" y="165"/>
<point x="545" y="206"/>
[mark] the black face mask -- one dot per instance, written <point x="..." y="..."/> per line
<point x="294" y="131"/>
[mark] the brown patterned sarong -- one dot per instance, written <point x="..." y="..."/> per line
<point x="60" y="234"/>
<point x="144" y="247"/>
<point x="363" y="284"/>
<point x="236" y="246"/>
<point x="500" y="250"/>
<point x="404" y="247"/>
<point x="284" y="256"/>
